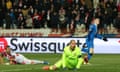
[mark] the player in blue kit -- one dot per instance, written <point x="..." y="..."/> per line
<point x="88" y="46"/>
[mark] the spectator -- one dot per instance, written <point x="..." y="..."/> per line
<point x="43" y="20"/>
<point x="28" y="2"/>
<point x="20" y="4"/>
<point x="29" y="22"/>
<point x="109" y="9"/>
<point x="72" y="27"/>
<point x="54" y="22"/>
<point x="1" y="18"/>
<point x="118" y="7"/>
<point x="31" y="11"/>
<point x="20" y="12"/>
<point x="13" y="19"/>
<point x="38" y="6"/>
<point x="16" y="15"/>
<point x="8" y="5"/>
<point x="62" y="11"/>
<point x="117" y="22"/>
<point x="8" y="20"/>
<point x="63" y="24"/>
<point x="25" y="11"/>
<point x="21" y="21"/>
<point x="57" y="5"/>
<point x="15" y="6"/>
<point x="37" y="20"/>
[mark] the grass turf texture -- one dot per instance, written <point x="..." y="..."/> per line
<point x="99" y="63"/>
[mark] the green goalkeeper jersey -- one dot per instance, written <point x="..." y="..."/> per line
<point x="70" y="58"/>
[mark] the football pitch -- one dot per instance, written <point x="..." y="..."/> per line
<point x="99" y="63"/>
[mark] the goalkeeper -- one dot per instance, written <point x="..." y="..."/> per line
<point x="71" y="58"/>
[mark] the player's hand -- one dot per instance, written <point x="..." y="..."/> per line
<point x="105" y="39"/>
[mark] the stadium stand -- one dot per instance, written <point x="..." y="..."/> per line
<point x="59" y="17"/>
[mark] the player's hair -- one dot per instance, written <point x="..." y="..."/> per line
<point x="71" y="41"/>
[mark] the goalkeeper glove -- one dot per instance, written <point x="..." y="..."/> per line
<point x="105" y="39"/>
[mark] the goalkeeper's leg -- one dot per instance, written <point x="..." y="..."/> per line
<point x="57" y="65"/>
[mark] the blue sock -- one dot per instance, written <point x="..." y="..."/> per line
<point x="89" y="56"/>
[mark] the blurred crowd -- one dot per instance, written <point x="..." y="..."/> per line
<point x="59" y="15"/>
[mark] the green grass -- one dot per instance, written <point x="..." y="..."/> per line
<point x="99" y="63"/>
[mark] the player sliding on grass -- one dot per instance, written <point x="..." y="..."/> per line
<point x="71" y="58"/>
<point x="88" y="47"/>
<point x="15" y="58"/>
